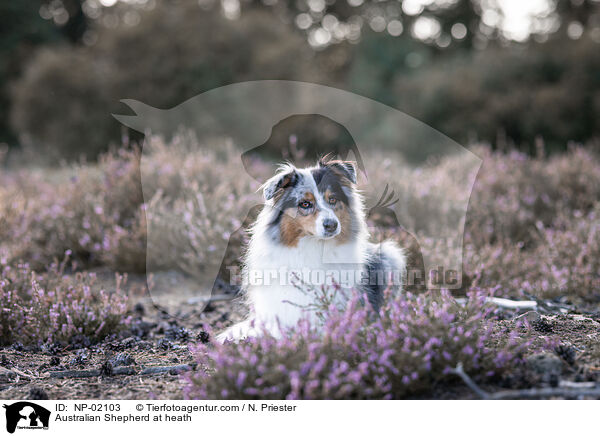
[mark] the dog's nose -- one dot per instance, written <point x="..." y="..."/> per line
<point x="330" y="225"/>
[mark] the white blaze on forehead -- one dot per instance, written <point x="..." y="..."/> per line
<point x="324" y="211"/>
<point x="312" y="186"/>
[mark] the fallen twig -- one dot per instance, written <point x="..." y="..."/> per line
<point x="75" y="374"/>
<point x="523" y="394"/>
<point x="469" y="382"/>
<point x="119" y="370"/>
<point x="505" y="303"/>
<point x="12" y="373"/>
<point x="122" y="370"/>
<point x="177" y="369"/>
<point x="211" y="298"/>
<point x="576" y="385"/>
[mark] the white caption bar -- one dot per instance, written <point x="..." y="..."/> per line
<point x="287" y="418"/>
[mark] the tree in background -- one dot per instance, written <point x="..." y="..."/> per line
<point x="21" y="31"/>
<point x="454" y="64"/>
<point x="63" y="102"/>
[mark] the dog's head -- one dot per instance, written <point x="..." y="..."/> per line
<point x="319" y="202"/>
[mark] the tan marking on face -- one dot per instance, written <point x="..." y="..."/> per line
<point x="295" y="224"/>
<point x="343" y="214"/>
<point x="309" y="196"/>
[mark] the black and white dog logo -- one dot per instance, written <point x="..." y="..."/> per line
<point x="26" y="415"/>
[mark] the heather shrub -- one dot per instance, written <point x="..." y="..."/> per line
<point x="513" y="192"/>
<point x="53" y="307"/>
<point x="531" y="224"/>
<point x="429" y="195"/>
<point x="93" y="211"/>
<point x="10" y="203"/>
<point x="412" y="344"/>
<point x="563" y="260"/>
<point x="525" y="216"/>
<point x="196" y="200"/>
<point x="567" y="257"/>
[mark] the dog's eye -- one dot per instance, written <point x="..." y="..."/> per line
<point x="305" y="205"/>
<point x="332" y="200"/>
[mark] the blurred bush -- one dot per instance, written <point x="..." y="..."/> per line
<point x="532" y="223"/>
<point x="22" y="30"/>
<point x="196" y="200"/>
<point x="506" y="96"/>
<point x="62" y="104"/>
<point x="513" y="193"/>
<point x="98" y="214"/>
<point x="94" y="212"/>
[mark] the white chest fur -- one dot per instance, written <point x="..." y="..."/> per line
<point x="282" y="282"/>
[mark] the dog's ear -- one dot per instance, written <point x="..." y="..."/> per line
<point x="279" y="181"/>
<point x="346" y="168"/>
<point x="350" y="169"/>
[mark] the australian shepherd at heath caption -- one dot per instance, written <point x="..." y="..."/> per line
<point x="311" y="234"/>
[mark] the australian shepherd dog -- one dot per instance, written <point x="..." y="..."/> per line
<point x="311" y="234"/>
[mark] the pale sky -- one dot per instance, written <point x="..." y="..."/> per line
<point x="518" y="16"/>
<point x="516" y="20"/>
